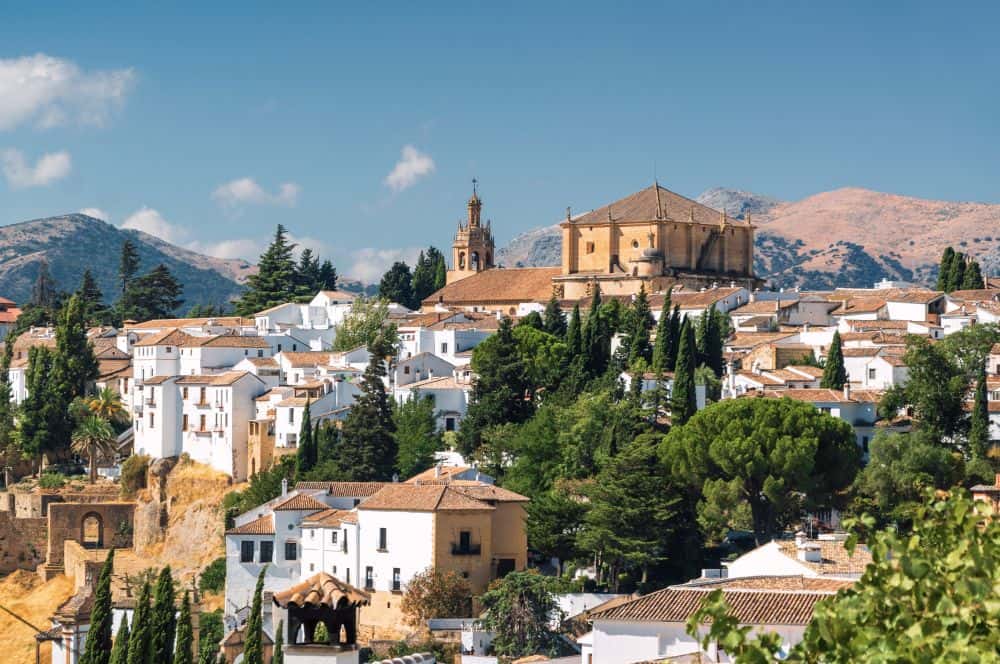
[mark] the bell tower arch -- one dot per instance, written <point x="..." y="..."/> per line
<point x="473" y="248"/>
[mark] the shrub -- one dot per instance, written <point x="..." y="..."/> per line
<point x="213" y="577"/>
<point x="51" y="481"/>
<point x="134" y="473"/>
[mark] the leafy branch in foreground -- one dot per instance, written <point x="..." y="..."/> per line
<point x="932" y="595"/>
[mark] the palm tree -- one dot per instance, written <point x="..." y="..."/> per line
<point x="107" y="404"/>
<point x="93" y="436"/>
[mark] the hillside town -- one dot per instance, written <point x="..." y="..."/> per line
<point x="582" y="463"/>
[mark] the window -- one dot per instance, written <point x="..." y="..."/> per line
<point x="369" y="578"/>
<point x="333" y="570"/>
<point x="170" y="349"/>
<point x="395" y="579"/>
<point x="348" y="572"/>
<point x="291" y="416"/>
<point x="635" y="244"/>
<point x="312" y="567"/>
<point x="333" y="536"/>
<point x="312" y="533"/>
<point x="589" y="247"/>
<point x="184" y="393"/>
<point x="345" y="539"/>
<point x="464" y="540"/>
<point x="266" y="552"/>
<point x="184" y="423"/>
<point x="260" y="353"/>
<point x="246" y="551"/>
<point x="871" y="374"/>
<point x="201" y="420"/>
<point x="382" y="536"/>
<point x="202" y="394"/>
<point x="406" y="370"/>
<point x="291" y="551"/>
<point x="449" y="424"/>
<point x="444" y="347"/>
<point x="152" y="420"/>
<point x="864" y="444"/>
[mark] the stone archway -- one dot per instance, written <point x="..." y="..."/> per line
<point x="92" y="531"/>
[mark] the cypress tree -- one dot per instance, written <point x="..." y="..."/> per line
<point x="140" y="643"/>
<point x="596" y="337"/>
<point x="554" y="320"/>
<point x="641" y="321"/>
<point x="253" y="649"/>
<point x="119" y="652"/>
<point x="944" y="269"/>
<point x="683" y="403"/>
<point x="74" y="364"/>
<point x="675" y="339"/>
<point x="661" y="344"/>
<point x="163" y="620"/>
<point x="279" y="645"/>
<point x="973" y="278"/>
<point x="574" y="334"/>
<point x="956" y="272"/>
<point x="91" y="299"/>
<point x="7" y="431"/>
<point x="440" y="273"/>
<point x="979" y="426"/>
<point x="701" y="338"/>
<point x="274" y="282"/>
<point x="327" y="276"/>
<point x="368" y="452"/>
<point x="184" y="649"/>
<point x="97" y="647"/>
<point x="834" y="373"/>
<point x="713" y="341"/>
<point x="305" y="454"/>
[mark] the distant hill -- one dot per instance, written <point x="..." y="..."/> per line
<point x="848" y="237"/>
<point x="75" y="242"/>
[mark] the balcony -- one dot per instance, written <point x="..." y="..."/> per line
<point x="202" y="404"/>
<point x="467" y="550"/>
<point x="150" y="401"/>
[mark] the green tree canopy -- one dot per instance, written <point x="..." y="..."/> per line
<point x="368" y="435"/>
<point x="683" y="400"/>
<point x="397" y="286"/>
<point x="417" y="438"/>
<point x="253" y="649"/>
<point x="834" y="372"/>
<point x="162" y="618"/>
<point x="97" y="647"/>
<point x="436" y="593"/>
<point x="140" y="645"/>
<point x="786" y="456"/>
<point x="184" y="647"/>
<point x="367" y="319"/>
<point x="517" y="609"/>
<point x="274" y="282"/>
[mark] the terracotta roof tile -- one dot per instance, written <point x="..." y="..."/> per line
<point x="641" y="206"/>
<point x="422" y="498"/>
<point x="343" y="489"/>
<point x="697" y="299"/>
<point x="262" y="526"/>
<point x="306" y="358"/>
<point x="299" y="501"/>
<point x="329" y="517"/>
<point x="218" y="380"/>
<point x="499" y="285"/>
<point x="321" y="590"/>
<point x="220" y="321"/>
<point x="227" y="341"/>
<point x="835" y="559"/>
<point x="169" y="337"/>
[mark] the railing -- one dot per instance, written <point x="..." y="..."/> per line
<point x="468" y="550"/>
<point x="149" y="401"/>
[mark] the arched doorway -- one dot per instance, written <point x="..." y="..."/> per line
<point x="92" y="531"/>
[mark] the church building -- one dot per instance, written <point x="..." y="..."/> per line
<point x="653" y="237"/>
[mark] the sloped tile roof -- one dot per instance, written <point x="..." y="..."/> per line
<point x="299" y="501"/>
<point x="169" y="337"/>
<point x="422" y="498"/>
<point x="499" y="285"/>
<point x="641" y="206"/>
<point x="343" y="489"/>
<point x="835" y="560"/>
<point x="321" y="590"/>
<point x="262" y="526"/>
<point x="227" y="341"/>
<point x="218" y="380"/>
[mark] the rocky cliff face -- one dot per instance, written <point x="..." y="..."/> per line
<point x="847" y="237"/>
<point x="73" y="243"/>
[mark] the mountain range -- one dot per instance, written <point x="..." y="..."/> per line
<point x="849" y="237"/>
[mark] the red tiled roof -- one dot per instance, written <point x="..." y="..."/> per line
<point x="422" y="498"/>
<point x="343" y="489"/>
<point x="498" y="285"/>
<point x="642" y="206"/>
<point x="321" y="590"/>
<point x="262" y="526"/>
<point x="299" y="501"/>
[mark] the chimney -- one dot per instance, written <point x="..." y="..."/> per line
<point x="284" y="486"/>
<point x="847" y="391"/>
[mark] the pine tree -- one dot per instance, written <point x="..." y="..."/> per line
<point x="97" y="648"/>
<point x="274" y="282"/>
<point x="92" y="300"/>
<point x="327" y="276"/>
<point x="140" y="644"/>
<point x="973" y="278"/>
<point x="417" y="438"/>
<point x="683" y="403"/>
<point x="44" y="294"/>
<point x="128" y="265"/>
<point x="574" y="334"/>
<point x="156" y="294"/>
<point x="397" y="285"/>
<point x="979" y="427"/>
<point x="184" y="648"/>
<point x="279" y="645"/>
<point x="253" y="649"/>
<point x="498" y="393"/>
<point x="596" y="337"/>
<point x="307" y="276"/>
<point x="368" y="452"/>
<point x="163" y="620"/>
<point x="944" y="269"/>
<point x="641" y="322"/>
<point x="663" y="342"/>
<point x="834" y="372"/>
<point x="74" y="365"/>
<point x="305" y="454"/>
<point x="956" y="272"/>
<point x="424" y="273"/>
<point x="554" y="319"/>
<point x="119" y="652"/>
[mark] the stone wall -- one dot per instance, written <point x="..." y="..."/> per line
<point x="22" y="542"/>
<point x="115" y="522"/>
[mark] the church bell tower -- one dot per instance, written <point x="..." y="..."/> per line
<point x="472" y="250"/>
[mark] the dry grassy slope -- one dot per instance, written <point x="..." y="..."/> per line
<point x="24" y="593"/>
<point x="194" y="534"/>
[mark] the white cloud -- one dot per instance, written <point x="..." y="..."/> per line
<point x="49" y="168"/>
<point x="52" y="91"/>
<point x="246" y="249"/>
<point x="246" y="191"/>
<point x="412" y="165"/>
<point x="150" y="221"/>
<point x="96" y="213"/>
<point x="368" y="265"/>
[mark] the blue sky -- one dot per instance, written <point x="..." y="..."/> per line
<point x="360" y="125"/>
